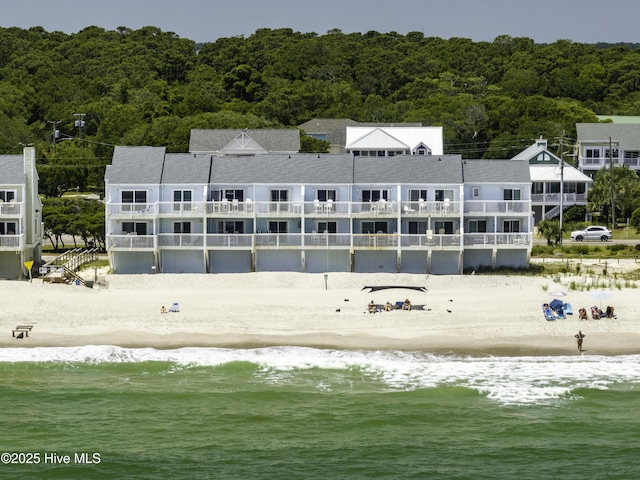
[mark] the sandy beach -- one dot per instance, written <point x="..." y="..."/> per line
<point x="469" y="315"/>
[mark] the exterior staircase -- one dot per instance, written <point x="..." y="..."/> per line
<point x="63" y="269"/>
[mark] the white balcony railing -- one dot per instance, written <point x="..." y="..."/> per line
<point x="132" y="242"/>
<point x="11" y="209"/>
<point x="554" y="198"/>
<point x="500" y="240"/>
<point x="11" y="242"/>
<point x="497" y="207"/>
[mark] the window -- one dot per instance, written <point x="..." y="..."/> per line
<point x="279" y="199"/>
<point x="374" y="227"/>
<point x="592" y="155"/>
<point x="477" y="226"/>
<point x="230" y="227"/>
<point x="279" y="195"/>
<point x="181" y="227"/>
<point x="278" y="227"/>
<point x="631" y="158"/>
<point x="443" y="227"/>
<point x="330" y="227"/>
<point x="139" y="228"/>
<point x="614" y="153"/>
<point x="7" y="228"/>
<point x="417" y="228"/>
<point x="7" y="195"/>
<point x="416" y="195"/>
<point x="475" y="192"/>
<point x="324" y="195"/>
<point x="136" y="197"/>
<point x="232" y="194"/>
<point x="511" y="226"/>
<point x="374" y="195"/>
<point x="442" y="194"/>
<point x="182" y="200"/>
<point x="511" y="194"/>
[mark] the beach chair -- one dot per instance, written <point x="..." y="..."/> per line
<point x="175" y="307"/>
<point x="568" y="309"/>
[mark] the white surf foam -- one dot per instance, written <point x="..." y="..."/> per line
<point x="507" y="380"/>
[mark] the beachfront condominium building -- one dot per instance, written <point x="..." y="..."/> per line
<point x="20" y="215"/>
<point x="205" y="212"/>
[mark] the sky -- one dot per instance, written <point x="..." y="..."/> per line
<point x="544" y="21"/>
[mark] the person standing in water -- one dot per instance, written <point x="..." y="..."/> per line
<point x="580" y="336"/>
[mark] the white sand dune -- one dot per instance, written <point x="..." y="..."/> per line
<point x="470" y="314"/>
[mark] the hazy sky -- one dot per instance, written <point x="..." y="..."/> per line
<point x="545" y="21"/>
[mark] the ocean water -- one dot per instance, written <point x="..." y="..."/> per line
<point x="279" y="413"/>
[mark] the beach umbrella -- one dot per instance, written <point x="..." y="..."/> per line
<point x="558" y="293"/>
<point x="600" y="295"/>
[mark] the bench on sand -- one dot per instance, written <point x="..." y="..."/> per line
<point x="21" y="329"/>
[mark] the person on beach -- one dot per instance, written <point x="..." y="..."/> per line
<point x="372" y="307"/>
<point x="580" y="336"/>
<point x="163" y="310"/>
<point x="388" y="307"/>
<point x="406" y="305"/>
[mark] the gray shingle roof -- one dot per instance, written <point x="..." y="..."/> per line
<point x="136" y="165"/>
<point x="409" y="169"/>
<point x="12" y="170"/>
<point x="626" y="134"/>
<point x="283" y="169"/>
<point x="496" y="171"/>
<point x="276" y="141"/>
<point x="186" y="168"/>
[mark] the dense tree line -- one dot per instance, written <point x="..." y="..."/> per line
<point x="149" y="87"/>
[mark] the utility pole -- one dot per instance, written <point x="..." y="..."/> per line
<point x="561" y="183"/>
<point x="56" y="133"/>
<point x="613" y="212"/>
<point x="79" y="123"/>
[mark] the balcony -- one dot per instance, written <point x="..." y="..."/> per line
<point x="131" y="242"/>
<point x="497" y="207"/>
<point x="131" y="211"/>
<point x="224" y="241"/>
<point x="596" y="163"/>
<point x="181" y="241"/>
<point x="11" y="243"/>
<point x="306" y="241"/>
<point x="554" y="198"/>
<point x="497" y="240"/>
<point x="11" y="209"/>
<point x="180" y="209"/>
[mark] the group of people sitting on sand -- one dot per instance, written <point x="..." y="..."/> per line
<point x="373" y="308"/>
<point x="597" y="313"/>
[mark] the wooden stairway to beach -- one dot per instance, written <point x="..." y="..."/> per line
<point x="65" y="266"/>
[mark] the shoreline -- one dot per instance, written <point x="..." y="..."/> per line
<point x="471" y="315"/>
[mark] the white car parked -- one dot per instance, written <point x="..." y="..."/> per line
<point x="593" y="232"/>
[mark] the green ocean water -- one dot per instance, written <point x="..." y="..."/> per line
<point x="314" y="414"/>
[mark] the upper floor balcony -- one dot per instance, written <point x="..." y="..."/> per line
<point x="12" y="243"/>
<point x="498" y="207"/>
<point x="284" y="209"/>
<point x="554" y="198"/>
<point x="598" y="162"/>
<point x="11" y="209"/>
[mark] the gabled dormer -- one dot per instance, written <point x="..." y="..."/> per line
<point x="421" y="149"/>
<point x="242" y="144"/>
